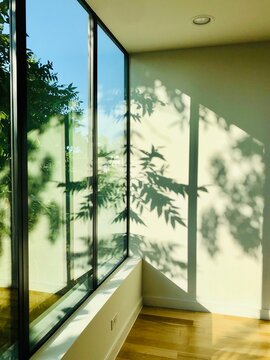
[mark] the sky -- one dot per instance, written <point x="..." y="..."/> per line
<point x="58" y="31"/>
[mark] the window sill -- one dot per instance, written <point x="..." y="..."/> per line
<point x="63" y="340"/>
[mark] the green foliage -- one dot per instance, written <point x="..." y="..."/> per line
<point x="47" y="100"/>
<point x="5" y="176"/>
<point x="151" y="191"/>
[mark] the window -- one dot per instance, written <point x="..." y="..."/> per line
<point x="112" y="182"/>
<point x="59" y="161"/>
<point x="8" y="267"/>
<point x="63" y="199"/>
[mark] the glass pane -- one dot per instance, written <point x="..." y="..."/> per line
<point x="59" y="161"/>
<point x="111" y="155"/>
<point x="8" y="292"/>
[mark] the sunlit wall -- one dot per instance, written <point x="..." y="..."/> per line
<point x="206" y="110"/>
<point x="159" y="177"/>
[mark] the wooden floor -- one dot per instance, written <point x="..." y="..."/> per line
<point x="38" y="303"/>
<point x="183" y="335"/>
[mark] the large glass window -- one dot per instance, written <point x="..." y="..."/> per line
<point x="59" y="161"/>
<point x="63" y="165"/>
<point x="112" y="185"/>
<point x="8" y="281"/>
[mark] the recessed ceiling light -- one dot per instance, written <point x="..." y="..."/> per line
<point x="202" y="19"/>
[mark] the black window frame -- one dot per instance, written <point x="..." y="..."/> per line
<point x="18" y="101"/>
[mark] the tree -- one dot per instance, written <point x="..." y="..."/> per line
<point x="151" y="190"/>
<point x="46" y="99"/>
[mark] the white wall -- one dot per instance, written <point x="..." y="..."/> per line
<point x="207" y="109"/>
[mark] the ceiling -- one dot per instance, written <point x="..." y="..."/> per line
<point x="147" y="25"/>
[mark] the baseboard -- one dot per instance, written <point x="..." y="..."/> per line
<point x="119" y="341"/>
<point x="205" y="306"/>
<point x="172" y="303"/>
<point x="265" y="314"/>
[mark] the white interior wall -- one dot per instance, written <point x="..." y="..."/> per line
<point x="217" y="100"/>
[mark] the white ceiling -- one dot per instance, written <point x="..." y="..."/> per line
<point x="146" y="25"/>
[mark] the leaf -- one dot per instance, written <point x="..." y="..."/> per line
<point x="180" y="221"/>
<point x="135" y="217"/>
<point x="202" y="188"/>
<point x="122" y="216"/>
<point x="166" y="213"/>
<point x="166" y="183"/>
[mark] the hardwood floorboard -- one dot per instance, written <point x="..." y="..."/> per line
<point x="165" y="319"/>
<point x="162" y="334"/>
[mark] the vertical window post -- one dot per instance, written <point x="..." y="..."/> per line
<point x="95" y="153"/>
<point x="19" y="166"/>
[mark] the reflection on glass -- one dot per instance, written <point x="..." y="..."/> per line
<point x="8" y="297"/>
<point x="59" y="161"/>
<point x="111" y="155"/>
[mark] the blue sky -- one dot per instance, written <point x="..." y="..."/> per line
<point x="58" y="31"/>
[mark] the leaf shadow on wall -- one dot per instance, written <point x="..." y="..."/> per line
<point x="238" y="207"/>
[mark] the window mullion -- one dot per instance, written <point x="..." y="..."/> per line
<point x="95" y="150"/>
<point x="19" y="167"/>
